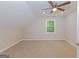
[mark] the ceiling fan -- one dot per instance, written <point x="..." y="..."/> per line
<point x="54" y="6"/>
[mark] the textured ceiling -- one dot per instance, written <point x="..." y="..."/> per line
<point x="36" y="7"/>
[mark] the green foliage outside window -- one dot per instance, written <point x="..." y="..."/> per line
<point x="50" y="26"/>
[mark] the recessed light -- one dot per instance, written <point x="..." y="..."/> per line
<point x="43" y="13"/>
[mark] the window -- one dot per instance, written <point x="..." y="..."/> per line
<point x="50" y="26"/>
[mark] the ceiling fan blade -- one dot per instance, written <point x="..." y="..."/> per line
<point x="46" y="8"/>
<point x="68" y="2"/>
<point x="60" y="9"/>
<point x="51" y="3"/>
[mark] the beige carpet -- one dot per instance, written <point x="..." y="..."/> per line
<point x="41" y="49"/>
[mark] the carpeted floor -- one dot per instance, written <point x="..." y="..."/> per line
<point x="41" y="49"/>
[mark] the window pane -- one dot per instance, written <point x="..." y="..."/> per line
<point x="50" y="29"/>
<point x="50" y="26"/>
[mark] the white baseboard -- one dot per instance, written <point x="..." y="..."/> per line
<point x="7" y="47"/>
<point x="74" y="45"/>
<point x="43" y="39"/>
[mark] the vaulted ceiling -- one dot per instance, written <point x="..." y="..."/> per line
<point x="36" y="7"/>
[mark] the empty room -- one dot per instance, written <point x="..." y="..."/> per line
<point x="38" y="29"/>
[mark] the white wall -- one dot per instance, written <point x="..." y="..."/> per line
<point x="78" y="22"/>
<point x="71" y="27"/>
<point x="10" y="31"/>
<point x="12" y="18"/>
<point x="36" y="29"/>
<point x="78" y="29"/>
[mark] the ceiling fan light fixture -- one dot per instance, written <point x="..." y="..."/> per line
<point x="54" y="9"/>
